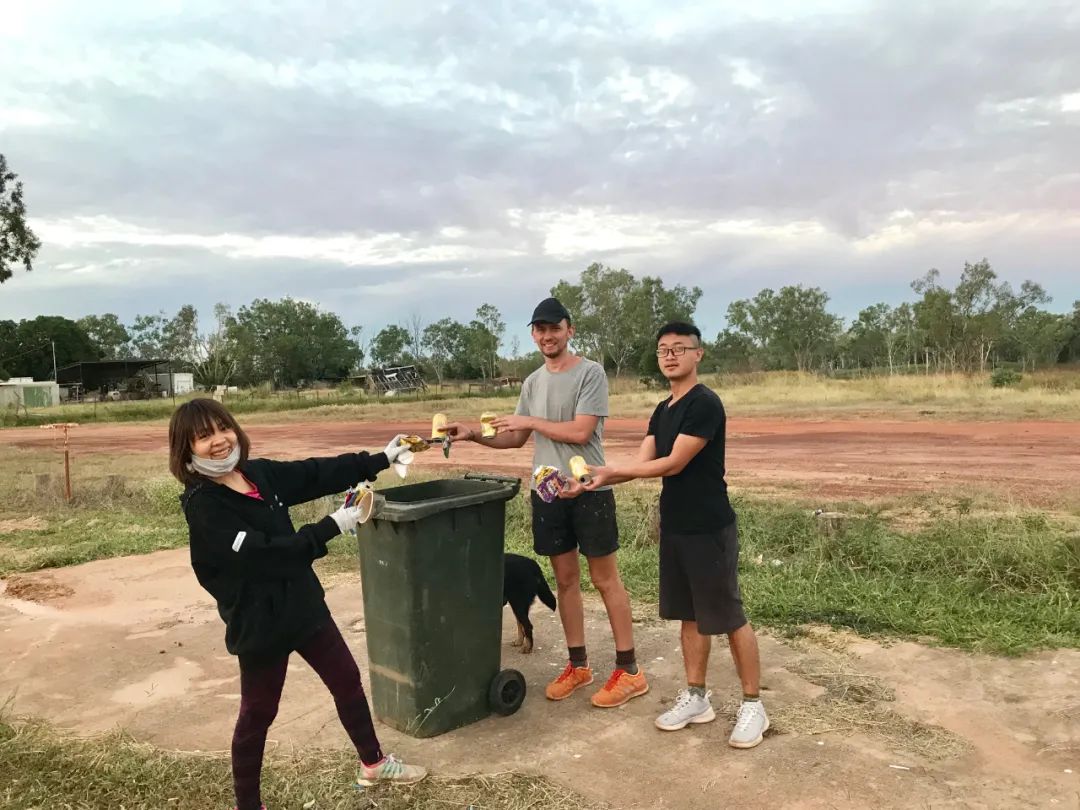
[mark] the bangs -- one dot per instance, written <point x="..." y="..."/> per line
<point x="207" y="415"/>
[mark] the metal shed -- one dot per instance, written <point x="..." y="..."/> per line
<point x="116" y="379"/>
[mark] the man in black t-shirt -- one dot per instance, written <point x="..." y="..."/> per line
<point x="699" y="544"/>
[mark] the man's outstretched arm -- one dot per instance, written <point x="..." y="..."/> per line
<point x="577" y="431"/>
<point x="505" y="440"/>
<point x="686" y="447"/>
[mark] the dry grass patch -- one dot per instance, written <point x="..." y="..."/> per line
<point x="41" y="769"/>
<point x="1043" y="395"/>
<point x="854" y="702"/>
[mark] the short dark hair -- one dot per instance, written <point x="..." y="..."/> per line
<point x="196" y="418"/>
<point x="683" y="328"/>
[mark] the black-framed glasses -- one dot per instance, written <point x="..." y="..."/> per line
<point x="674" y="351"/>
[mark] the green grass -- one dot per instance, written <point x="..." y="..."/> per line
<point x="340" y="404"/>
<point x="996" y="582"/>
<point x="42" y="531"/>
<point x="1007" y="583"/>
<point x="1046" y="394"/>
<point x="41" y="769"/>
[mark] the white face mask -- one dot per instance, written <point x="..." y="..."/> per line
<point x="215" y="467"/>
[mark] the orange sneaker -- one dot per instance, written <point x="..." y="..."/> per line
<point x="571" y="679"/>
<point x="621" y="687"/>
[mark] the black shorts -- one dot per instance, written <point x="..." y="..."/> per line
<point x="699" y="580"/>
<point x="587" y="523"/>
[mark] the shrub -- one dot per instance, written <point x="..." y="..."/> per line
<point x="1004" y="377"/>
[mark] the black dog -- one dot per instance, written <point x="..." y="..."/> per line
<point x="523" y="581"/>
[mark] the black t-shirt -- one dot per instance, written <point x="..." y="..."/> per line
<point x="695" y="501"/>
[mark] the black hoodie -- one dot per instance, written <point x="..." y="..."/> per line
<point x="249" y="557"/>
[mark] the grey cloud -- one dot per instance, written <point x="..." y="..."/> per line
<point x="885" y="100"/>
<point x="928" y="107"/>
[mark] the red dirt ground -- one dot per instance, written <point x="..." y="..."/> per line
<point x="1022" y="462"/>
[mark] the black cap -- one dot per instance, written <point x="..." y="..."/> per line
<point x="550" y="310"/>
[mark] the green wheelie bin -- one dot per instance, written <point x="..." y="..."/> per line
<point x="431" y="564"/>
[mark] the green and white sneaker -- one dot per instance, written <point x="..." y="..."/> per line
<point x="688" y="708"/>
<point x="391" y="769"/>
<point x="750" y="726"/>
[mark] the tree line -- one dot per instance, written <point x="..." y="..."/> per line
<point x="286" y="343"/>
<point x="283" y="343"/>
<point x="980" y="322"/>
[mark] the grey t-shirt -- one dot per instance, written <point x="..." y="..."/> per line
<point x="559" y="397"/>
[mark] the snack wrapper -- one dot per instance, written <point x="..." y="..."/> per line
<point x="414" y="443"/>
<point x="548" y="482"/>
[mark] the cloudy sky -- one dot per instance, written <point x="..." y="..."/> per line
<point x="385" y="159"/>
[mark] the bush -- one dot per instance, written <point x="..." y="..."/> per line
<point x="1004" y="377"/>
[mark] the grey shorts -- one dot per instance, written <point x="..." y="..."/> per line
<point x="699" y="580"/>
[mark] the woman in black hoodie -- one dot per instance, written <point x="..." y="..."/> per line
<point x="249" y="557"/>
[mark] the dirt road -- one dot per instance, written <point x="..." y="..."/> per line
<point x="1034" y="463"/>
<point x="134" y="643"/>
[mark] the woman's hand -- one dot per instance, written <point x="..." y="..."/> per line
<point x="398" y="452"/>
<point x="346" y="518"/>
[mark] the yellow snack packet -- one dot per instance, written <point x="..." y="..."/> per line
<point x="438" y="426"/>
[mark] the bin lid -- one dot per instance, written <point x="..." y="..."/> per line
<point x="412" y="502"/>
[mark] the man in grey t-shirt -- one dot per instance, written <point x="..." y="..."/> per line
<point x="559" y="396"/>
<point x="563" y="404"/>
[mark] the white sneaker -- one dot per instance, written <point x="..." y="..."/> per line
<point x="750" y="725"/>
<point x="688" y="708"/>
<point x="391" y="769"/>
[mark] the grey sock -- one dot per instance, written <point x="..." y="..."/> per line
<point x="578" y="656"/>
<point x="697" y="691"/>
<point x="626" y="661"/>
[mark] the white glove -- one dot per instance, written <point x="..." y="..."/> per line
<point x="395" y="451"/>
<point x="398" y="454"/>
<point x="346" y="518"/>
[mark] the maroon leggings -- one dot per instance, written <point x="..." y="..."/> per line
<point x="260" y="690"/>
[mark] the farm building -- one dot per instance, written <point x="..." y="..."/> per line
<point x="23" y="393"/>
<point x="114" y="379"/>
<point x="176" y="383"/>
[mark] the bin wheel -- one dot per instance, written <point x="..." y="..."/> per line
<point x="507" y="692"/>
